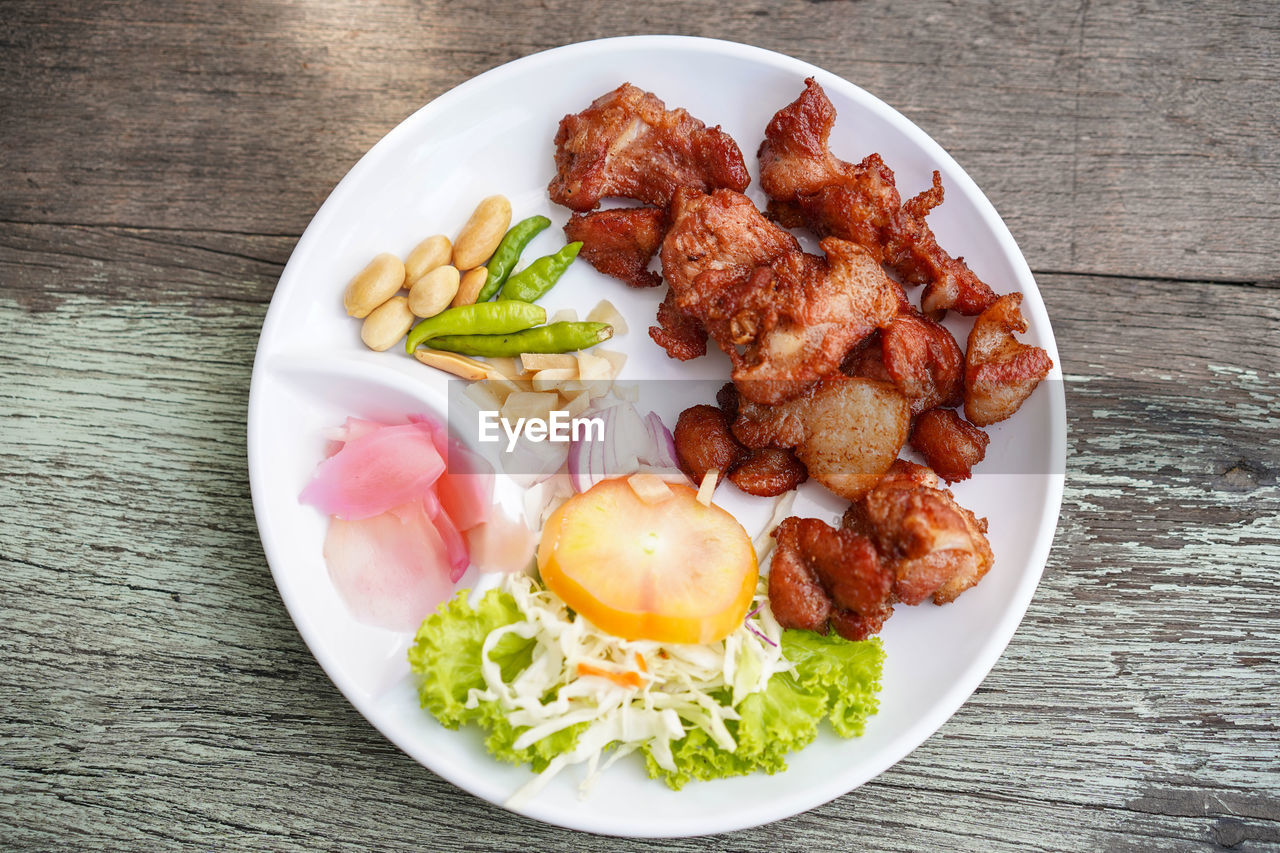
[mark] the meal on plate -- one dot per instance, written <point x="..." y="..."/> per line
<point x="627" y="611"/>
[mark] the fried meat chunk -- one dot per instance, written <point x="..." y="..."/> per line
<point x="767" y="472"/>
<point x="934" y="547"/>
<point x="703" y="441"/>
<point x="860" y="202"/>
<point x="824" y="577"/>
<point x="676" y="332"/>
<point x="1000" y="372"/>
<point x="620" y="242"/>
<point x="628" y="144"/>
<point x="784" y="317"/>
<point x="950" y="444"/>
<point x="916" y="354"/>
<point x="847" y="431"/>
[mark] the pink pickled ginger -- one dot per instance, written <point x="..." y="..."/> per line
<point x="392" y="569"/>
<point x="376" y="471"/>
<point x="466" y="487"/>
<point x="402" y="500"/>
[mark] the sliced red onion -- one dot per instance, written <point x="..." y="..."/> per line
<point x="746" y="620"/>
<point x="631" y="443"/>
<point x="663" y="452"/>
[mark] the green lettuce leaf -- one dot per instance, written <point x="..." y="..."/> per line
<point x="446" y="653"/>
<point x="834" y="678"/>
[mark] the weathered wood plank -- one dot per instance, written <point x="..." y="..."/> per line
<point x="1116" y="138"/>
<point x="158" y="694"/>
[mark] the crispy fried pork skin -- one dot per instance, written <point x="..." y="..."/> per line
<point x="676" y="332"/>
<point x="860" y="202"/>
<point x="620" y="242"/>
<point x="847" y="431"/>
<point x="933" y="546"/>
<point x="628" y="144"/>
<point x="950" y="444"/>
<point x="703" y="441"/>
<point x="823" y="576"/>
<point x="785" y="318"/>
<point x="999" y="371"/>
<point x="924" y="361"/>
<point x="768" y="472"/>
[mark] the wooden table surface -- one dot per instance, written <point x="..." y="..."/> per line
<point x="160" y="159"/>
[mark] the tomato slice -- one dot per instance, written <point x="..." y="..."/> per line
<point x="673" y="571"/>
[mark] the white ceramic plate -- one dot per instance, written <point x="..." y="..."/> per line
<point x="494" y="134"/>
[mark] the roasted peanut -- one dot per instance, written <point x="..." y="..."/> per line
<point x="374" y="285"/>
<point x="469" y="289"/>
<point x="387" y="324"/>
<point x="430" y="253"/>
<point x="482" y="233"/>
<point x="458" y="365"/>
<point x="432" y="293"/>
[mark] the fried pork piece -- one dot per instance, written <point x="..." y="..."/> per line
<point x="628" y="144"/>
<point x="950" y="444"/>
<point x="924" y="361"/>
<point x="823" y="576"/>
<point x="847" y="431"/>
<point x="620" y="242"/>
<point x="785" y="318"/>
<point x="916" y="354"/>
<point x="768" y="472"/>
<point x="999" y="371"/>
<point x="679" y="334"/>
<point x="860" y="202"/>
<point x="933" y="546"/>
<point x="703" y="441"/>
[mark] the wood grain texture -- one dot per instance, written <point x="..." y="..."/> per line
<point x="160" y="161"/>
<point x="1144" y="124"/>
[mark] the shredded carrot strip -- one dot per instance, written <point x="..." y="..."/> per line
<point x="644" y="667"/>
<point x="622" y="679"/>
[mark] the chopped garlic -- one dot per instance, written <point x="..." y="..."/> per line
<point x="708" y="486"/>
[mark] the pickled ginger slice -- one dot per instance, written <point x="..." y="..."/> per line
<point x="381" y="469"/>
<point x="391" y="569"/>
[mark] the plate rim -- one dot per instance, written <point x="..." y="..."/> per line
<point x="1001" y="632"/>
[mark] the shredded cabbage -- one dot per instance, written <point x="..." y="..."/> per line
<point x="554" y="691"/>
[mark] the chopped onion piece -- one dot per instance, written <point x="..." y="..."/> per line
<point x="501" y="388"/>
<point x="617" y="359"/>
<point x="650" y="489"/>
<point x="592" y="367"/>
<point x="530" y="404"/>
<point x="508" y="367"/>
<point x="551" y="378"/>
<point x="536" y="361"/>
<point x="604" y="312"/>
<point x="708" y="486"/>
<point x="577" y="404"/>
<point x="564" y="315"/>
<point x="481" y="393"/>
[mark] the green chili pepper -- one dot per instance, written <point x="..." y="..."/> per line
<point x="557" y="337"/>
<point x="482" y="318"/>
<point x="508" y="252"/>
<point x="539" y="277"/>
